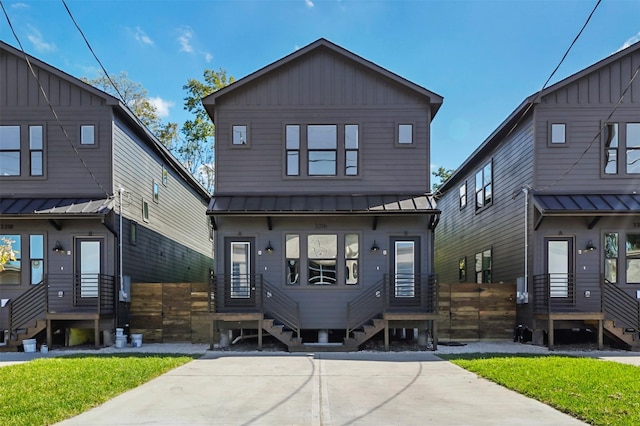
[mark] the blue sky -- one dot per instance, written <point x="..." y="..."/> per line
<point x="483" y="56"/>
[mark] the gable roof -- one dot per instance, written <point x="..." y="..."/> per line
<point x="525" y="108"/>
<point x="434" y="99"/>
<point x="122" y="111"/>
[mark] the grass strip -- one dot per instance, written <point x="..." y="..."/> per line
<point x="593" y="390"/>
<point x="48" y="390"/>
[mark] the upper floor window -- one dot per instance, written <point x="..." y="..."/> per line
<point x="87" y="134"/>
<point x="165" y="176"/>
<point x="10" y="150"/>
<point x="322" y="143"/>
<point x="621" y="149"/>
<point x="292" y="143"/>
<point x="240" y="135"/>
<point x="463" y="196"/>
<point x="405" y="134"/>
<point x="145" y="211"/>
<point x="558" y="133"/>
<point x="36" y="150"/>
<point x="351" y="149"/>
<point x="484" y="186"/>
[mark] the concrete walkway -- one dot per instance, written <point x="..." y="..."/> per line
<point x="403" y="388"/>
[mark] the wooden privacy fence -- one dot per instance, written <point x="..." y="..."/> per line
<point x="471" y="311"/>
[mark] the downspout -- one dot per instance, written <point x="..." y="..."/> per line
<point x="526" y="189"/>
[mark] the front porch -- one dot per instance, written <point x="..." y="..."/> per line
<point x="396" y="301"/>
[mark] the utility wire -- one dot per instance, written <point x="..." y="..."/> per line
<point x="51" y="107"/>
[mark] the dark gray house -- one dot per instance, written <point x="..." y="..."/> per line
<point x="322" y="213"/>
<point x="90" y="201"/>
<point x="551" y="200"/>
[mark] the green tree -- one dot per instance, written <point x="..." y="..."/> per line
<point x="442" y="175"/>
<point x="196" y="152"/>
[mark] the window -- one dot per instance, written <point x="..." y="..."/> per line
<point x="10" y="273"/>
<point x="321" y="150"/>
<point x="558" y="133"/>
<point x="611" y="149"/>
<point x="405" y="134"/>
<point x="165" y="176"/>
<point x="351" y="254"/>
<point x="133" y="233"/>
<point x="462" y="269"/>
<point x="351" y="149"/>
<point x="10" y="150"/>
<point x="633" y="258"/>
<point x="156" y="191"/>
<point x="145" y="211"/>
<point x="87" y="134"/>
<point x="292" y="255"/>
<point x="611" y="257"/>
<point x="36" y="256"/>
<point x="633" y="148"/>
<point x="36" y="149"/>
<point x="484" y="190"/>
<point x="463" y="196"/>
<point x="322" y="251"/>
<point x="239" y="137"/>
<point x="293" y="149"/>
<point x="483" y="267"/>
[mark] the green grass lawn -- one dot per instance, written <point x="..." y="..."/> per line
<point x="596" y="391"/>
<point x="48" y="390"/>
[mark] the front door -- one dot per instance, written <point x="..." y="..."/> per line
<point x="559" y="265"/>
<point x="405" y="269"/>
<point x="240" y="282"/>
<point x="88" y="268"/>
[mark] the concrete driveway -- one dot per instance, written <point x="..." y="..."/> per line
<point x="407" y="388"/>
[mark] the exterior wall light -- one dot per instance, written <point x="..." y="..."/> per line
<point x="269" y="248"/>
<point x="58" y="247"/>
<point x="374" y="247"/>
<point x="590" y="246"/>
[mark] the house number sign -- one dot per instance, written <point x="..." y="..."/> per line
<point x="321" y="226"/>
<point x="6" y="226"/>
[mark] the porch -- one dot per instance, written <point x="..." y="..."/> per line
<point x="396" y="301"/>
<point x="80" y="300"/>
<point x="586" y="298"/>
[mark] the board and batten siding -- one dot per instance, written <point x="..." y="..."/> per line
<point x="499" y="227"/>
<point x="175" y="242"/>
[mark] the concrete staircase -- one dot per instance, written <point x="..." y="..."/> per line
<point x="15" y="340"/>
<point x="627" y="336"/>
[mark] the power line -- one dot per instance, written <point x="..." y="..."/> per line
<point x="51" y="107"/>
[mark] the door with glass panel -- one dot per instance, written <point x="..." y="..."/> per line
<point x="88" y="269"/>
<point x="240" y="280"/>
<point x="559" y="265"/>
<point x="405" y="269"/>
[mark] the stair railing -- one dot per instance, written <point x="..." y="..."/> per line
<point x="28" y="307"/>
<point x="281" y="307"/>
<point x="366" y="306"/>
<point x="621" y="307"/>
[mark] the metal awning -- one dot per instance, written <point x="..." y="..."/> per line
<point x="55" y="207"/>
<point x="295" y="205"/>
<point x="586" y="205"/>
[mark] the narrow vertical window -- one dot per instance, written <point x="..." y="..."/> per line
<point x="558" y="133"/>
<point x="483" y="267"/>
<point x="156" y="191"/>
<point x="463" y="196"/>
<point x="87" y="135"/>
<point x="633" y="258"/>
<point x="611" y="149"/>
<point x="292" y="135"/>
<point x="322" y="143"/>
<point x="405" y="134"/>
<point x="462" y="269"/>
<point x="10" y="272"/>
<point x="36" y="257"/>
<point x="611" y="257"/>
<point x="36" y="149"/>
<point x="351" y="255"/>
<point x="239" y="135"/>
<point x="133" y="233"/>
<point x="292" y="258"/>
<point x="633" y="148"/>
<point x="9" y="150"/>
<point x="484" y="186"/>
<point x="145" y="211"/>
<point x="351" y="149"/>
<point x="165" y="176"/>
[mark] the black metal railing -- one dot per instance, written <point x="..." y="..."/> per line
<point x="408" y="292"/>
<point x="366" y="306"/>
<point x="80" y="293"/>
<point x="27" y="308"/>
<point x="566" y="293"/>
<point x="620" y="306"/>
<point x="235" y="293"/>
<point x="278" y="305"/>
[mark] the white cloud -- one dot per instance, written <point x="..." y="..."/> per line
<point x="161" y="106"/>
<point x="19" y="6"/>
<point x="35" y="37"/>
<point x="630" y="41"/>
<point x="309" y="3"/>
<point x="185" y="40"/>
<point x="142" y="37"/>
<point x="207" y="56"/>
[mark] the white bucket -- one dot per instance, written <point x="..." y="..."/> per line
<point x="136" y="340"/>
<point x="323" y="336"/>
<point x="119" y="331"/>
<point x="121" y="341"/>
<point x="44" y="349"/>
<point x="29" y="345"/>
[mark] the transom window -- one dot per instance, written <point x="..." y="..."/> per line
<point x="484" y="186"/>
